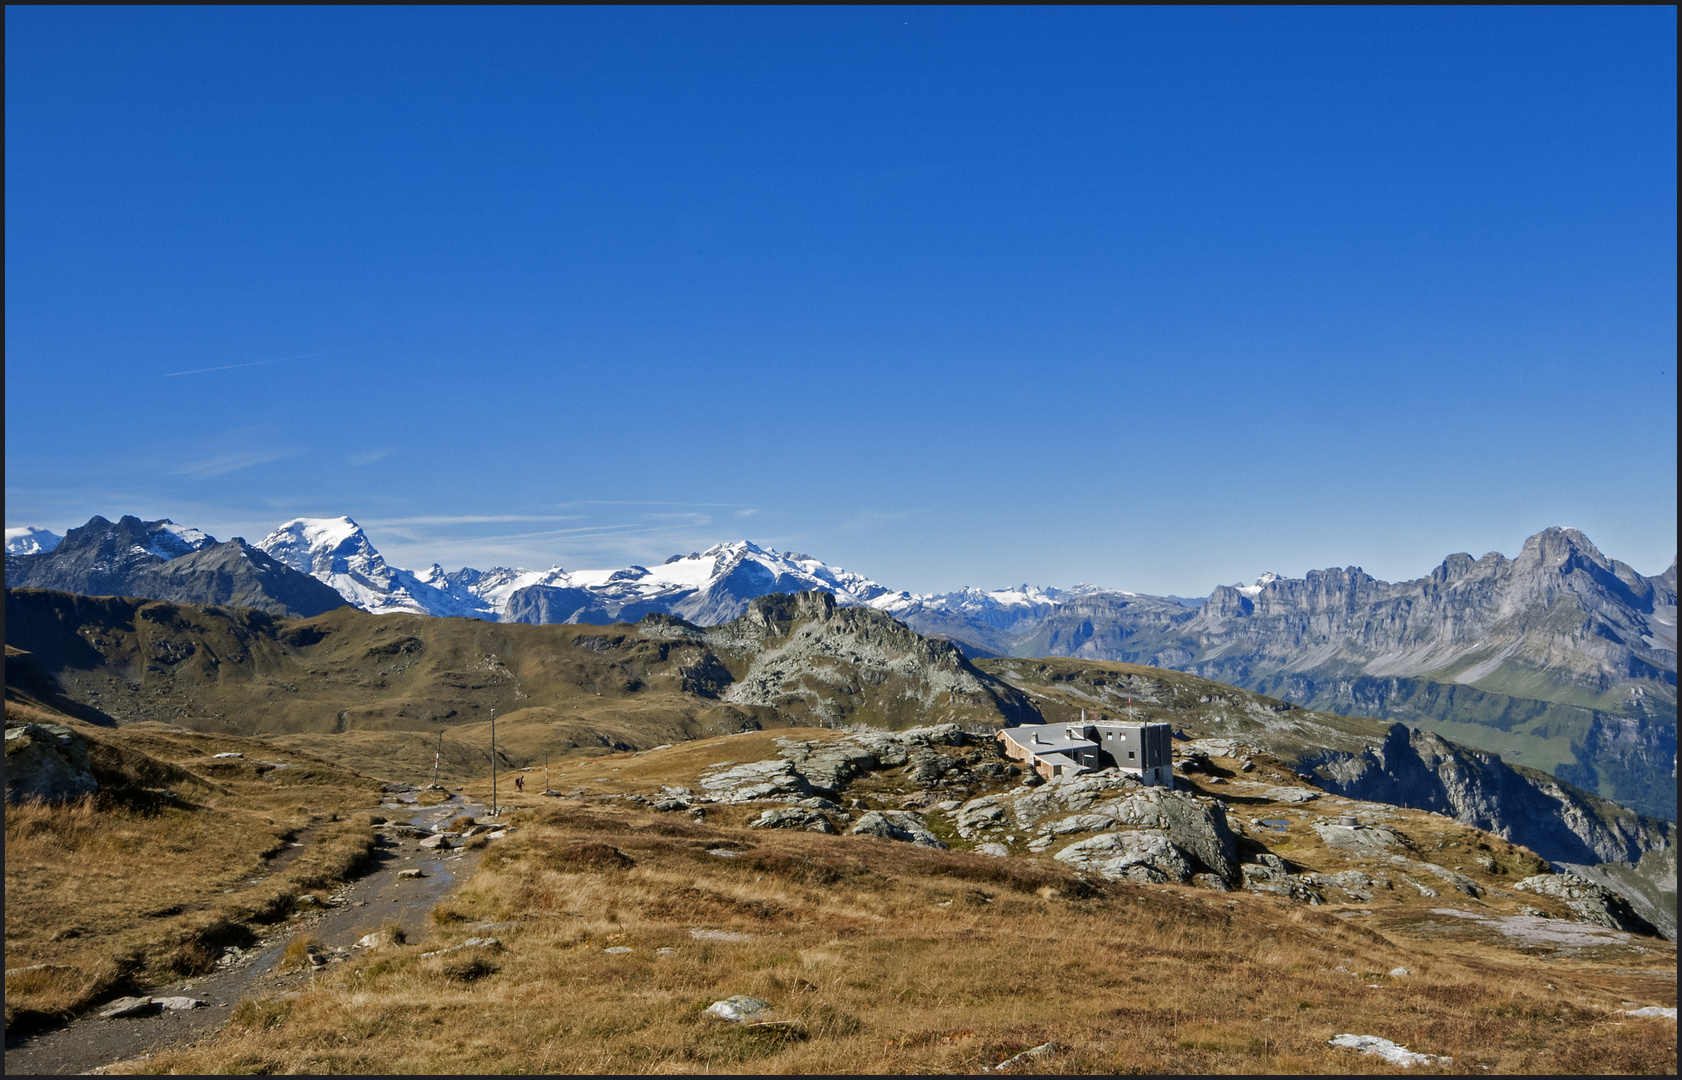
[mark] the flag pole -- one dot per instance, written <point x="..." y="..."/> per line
<point x="493" y="763"/>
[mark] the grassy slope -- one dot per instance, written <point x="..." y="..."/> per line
<point x="881" y="957"/>
<point x="396" y="681"/>
<point x="178" y="855"/>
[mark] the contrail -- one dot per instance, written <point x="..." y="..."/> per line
<point x="254" y="363"/>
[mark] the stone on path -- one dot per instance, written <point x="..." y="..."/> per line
<point x="129" y="1006"/>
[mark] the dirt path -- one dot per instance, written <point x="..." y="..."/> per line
<point x="375" y="900"/>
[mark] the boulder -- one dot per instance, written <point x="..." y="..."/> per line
<point x="129" y="1006"/>
<point x="47" y="762"/>
<point x="897" y="825"/>
<point x="180" y="1004"/>
<point x="980" y="813"/>
<point x="1590" y="902"/>
<point x="996" y="850"/>
<point x="793" y="817"/>
<point x="738" y="1009"/>
<point x="1143" y="855"/>
<point x="440" y="842"/>
<point x="1195" y="828"/>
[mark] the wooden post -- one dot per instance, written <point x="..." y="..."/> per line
<point x="493" y="763"/>
<point x="547" y="786"/>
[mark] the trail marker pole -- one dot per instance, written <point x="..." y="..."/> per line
<point x="436" y="754"/>
<point x="493" y="763"/>
<point x="547" y="786"/>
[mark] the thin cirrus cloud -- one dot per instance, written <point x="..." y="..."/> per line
<point x="223" y="464"/>
<point x="254" y="363"/>
<point x="368" y="457"/>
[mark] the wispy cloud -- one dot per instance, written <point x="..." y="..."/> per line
<point x="648" y="502"/>
<point x="368" y="457"/>
<point x="227" y="463"/>
<point x="469" y="519"/>
<point x="749" y="512"/>
<point x="253" y="363"/>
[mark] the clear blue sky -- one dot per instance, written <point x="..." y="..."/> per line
<point x="1156" y="299"/>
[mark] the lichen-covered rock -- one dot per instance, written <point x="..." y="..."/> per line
<point x="1142" y="855"/>
<point x="793" y="817"/>
<point x="1269" y="875"/>
<point x="774" y="779"/>
<point x="1592" y="903"/>
<point x="927" y="766"/>
<point x="897" y="825"/>
<point x="47" y="762"/>
<point x="1199" y="829"/>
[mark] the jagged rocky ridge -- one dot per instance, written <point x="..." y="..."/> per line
<point x="160" y="560"/>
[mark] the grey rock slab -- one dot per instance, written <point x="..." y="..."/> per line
<point x="996" y="850"/>
<point x="1359" y="839"/>
<point x="129" y="1006"/>
<point x="1294" y="795"/>
<point x="1137" y="855"/>
<point x="793" y="817"/>
<point x="899" y="825"/>
<point x="773" y="779"/>
<point x="180" y="1003"/>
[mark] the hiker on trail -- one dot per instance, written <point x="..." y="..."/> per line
<point x="519" y="783"/>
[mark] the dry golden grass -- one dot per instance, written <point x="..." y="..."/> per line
<point x="882" y="957"/>
<point x="136" y="886"/>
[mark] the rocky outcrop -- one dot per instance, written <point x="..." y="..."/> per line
<point x="793" y="817"/>
<point x="47" y="762"/>
<point x="1590" y="902"/>
<point x="1417" y="769"/>
<point x="811" y="767"/>
<point x="774" y="779"/>
<point x="1649" y="885"/>
<point x="809" y="657"/>
<point x="902" y="825"/>
<point x="1134" y="817"/>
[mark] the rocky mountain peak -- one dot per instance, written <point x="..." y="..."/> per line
<point x="30" y="540"/>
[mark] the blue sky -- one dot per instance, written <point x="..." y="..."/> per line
<point x="1156" y="299"/>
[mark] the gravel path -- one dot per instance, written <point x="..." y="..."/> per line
<point x="374" y="900"/>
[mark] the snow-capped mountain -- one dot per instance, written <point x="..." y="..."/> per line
<point x="337" y="552"/>
<point x="706" y="587"/>
<point x="29" y="540"/>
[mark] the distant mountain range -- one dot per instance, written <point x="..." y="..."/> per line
<point x="1560" y="657"/>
